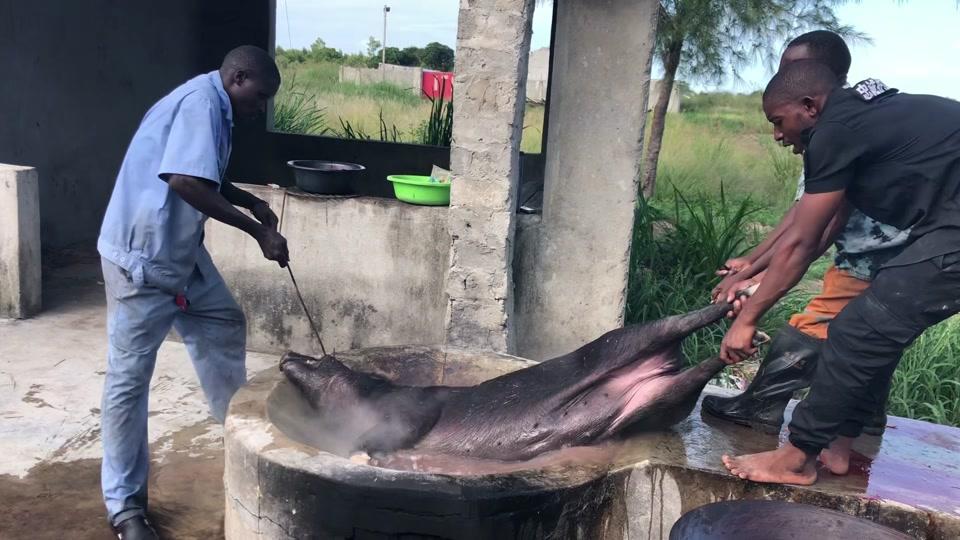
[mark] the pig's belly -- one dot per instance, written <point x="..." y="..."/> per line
<point x="635" y="388"/>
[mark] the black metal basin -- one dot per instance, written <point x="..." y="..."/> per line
<point x="775" y="520"/>
<point x="326" y="177"/>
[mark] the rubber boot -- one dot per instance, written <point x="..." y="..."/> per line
<point x="787" y="367"/>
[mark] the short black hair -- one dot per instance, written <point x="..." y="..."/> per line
<point x="251" y="59"/>
<point x="829" y="48"/>
<point x="800" y="79"/>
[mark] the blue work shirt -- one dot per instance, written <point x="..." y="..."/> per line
<point x="148" y="230"/>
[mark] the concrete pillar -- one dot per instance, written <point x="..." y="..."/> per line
<point x="493" y="41"/>
<point x="19" y="242"/>
<point x="602" y="57"/>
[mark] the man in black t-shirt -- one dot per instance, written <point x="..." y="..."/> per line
<point x="896" y="158"/>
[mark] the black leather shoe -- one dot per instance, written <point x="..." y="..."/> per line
<point x="787" y="367"/>
<point x="135" y="528"/>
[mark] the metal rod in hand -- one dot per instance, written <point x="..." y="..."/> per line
<point x="305" y="310"/>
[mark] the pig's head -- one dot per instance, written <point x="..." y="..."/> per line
<point x="366" y="412"/>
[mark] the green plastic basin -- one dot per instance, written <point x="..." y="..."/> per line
<point x="420" y="190"/>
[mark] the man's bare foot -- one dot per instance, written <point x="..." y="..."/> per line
<point x="785" y="465"/>
<point x="836" y="457"/>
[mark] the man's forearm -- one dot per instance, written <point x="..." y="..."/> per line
<point x="765" y="247"/>
<point x="762" y="263"/>
<point x="203" y="196"/>
<point x="829" y="235"/>
<point x="788" y="264"/>
<point x="239" y="197"/>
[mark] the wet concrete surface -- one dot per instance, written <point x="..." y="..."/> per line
<point x="51" y="376"/>
<point x="915" y="463"/>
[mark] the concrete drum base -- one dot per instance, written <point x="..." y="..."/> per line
<point x="278" y="486"/>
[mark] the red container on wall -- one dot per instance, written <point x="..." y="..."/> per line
<point x="434" y="82"/>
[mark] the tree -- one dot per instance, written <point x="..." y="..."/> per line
<point x="411" y="56"/>
<point x="319" y="52"/>
<point x="373" y="46"/>
<point x="286" y="57"/>
<point x="437" y="56"/>
<point x="704" y="39"/>
<point x="406" y="57"/>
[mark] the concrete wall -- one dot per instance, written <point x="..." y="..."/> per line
<point x="573" y="284"/>
<point x="403" y="76"/>
<point x="538" y="72"/>
<point x="19" y="242"/>
<point x="357" y="294"/>
<point x="493" y="40"/>
<point x="79" y="76"/>
<point x="371" y="272"/>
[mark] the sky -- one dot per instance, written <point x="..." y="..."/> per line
<point x="914" y="43"/>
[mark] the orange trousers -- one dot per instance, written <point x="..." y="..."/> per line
<point x="839" y="288"/>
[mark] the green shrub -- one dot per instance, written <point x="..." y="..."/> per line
<point x="295" y="111"/>
<point x="678" y="244"/>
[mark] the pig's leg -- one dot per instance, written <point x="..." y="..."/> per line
<point x="661" y="402"/>
<point x="624" y="346"/>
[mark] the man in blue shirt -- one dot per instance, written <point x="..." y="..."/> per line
<point x="157" y="273"/>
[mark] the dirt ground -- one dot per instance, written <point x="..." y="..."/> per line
<point x="51" y="378"/>
<point x="59" y="500"/>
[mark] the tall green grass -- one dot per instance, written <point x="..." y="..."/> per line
<point x="926" y="385"/>
<point x="324" y="77"/>
<point x="386" y="133"/>
<point x="698" y="157"/>
<point x="438" y="128"/>
<point x="294" y="112"/>
<point x="676" y="250"/>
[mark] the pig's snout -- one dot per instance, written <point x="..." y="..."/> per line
<point x="296" y="359"/>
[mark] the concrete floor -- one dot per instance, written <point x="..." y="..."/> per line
<point x="51" y="376"/>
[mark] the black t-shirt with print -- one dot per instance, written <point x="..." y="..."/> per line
<point x="898" y="157"/>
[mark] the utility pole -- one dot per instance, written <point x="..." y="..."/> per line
<point x="383" y="44"/>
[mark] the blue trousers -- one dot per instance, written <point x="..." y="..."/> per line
<point x="139" y="317"/>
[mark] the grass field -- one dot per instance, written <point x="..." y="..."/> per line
<point x="362" y="106"/>
<point x="722" y="183"/>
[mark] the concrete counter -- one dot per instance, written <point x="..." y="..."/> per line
<point x="371" y="271"/>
